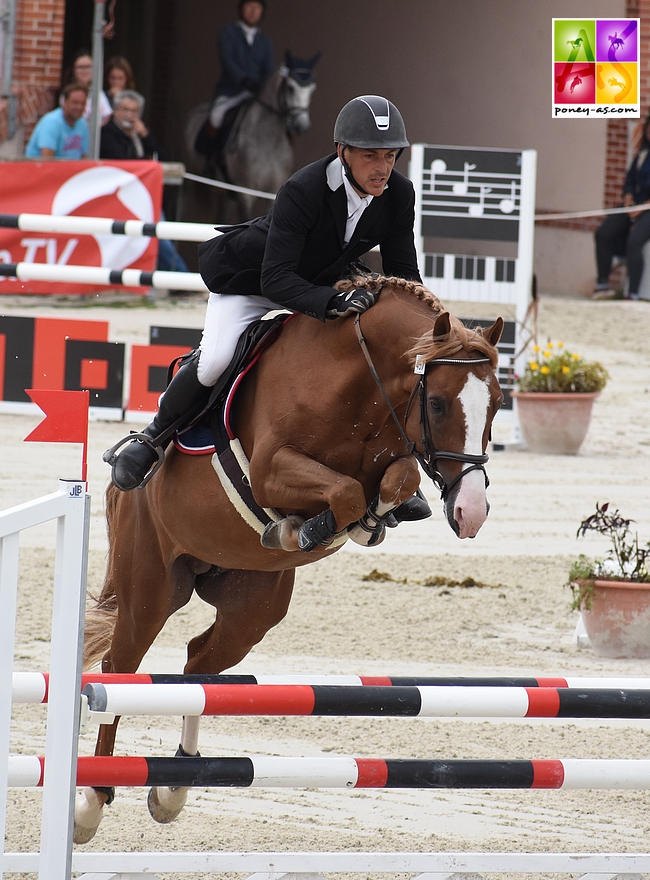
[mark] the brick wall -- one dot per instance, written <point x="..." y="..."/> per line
<point x="38" y="52"/>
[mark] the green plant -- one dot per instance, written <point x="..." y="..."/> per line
<point x="554" y="368"/>
<point x="626" y="560"/>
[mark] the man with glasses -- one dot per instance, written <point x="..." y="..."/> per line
<point x="125" y="136"/>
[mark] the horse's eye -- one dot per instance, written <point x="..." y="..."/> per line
<point x="436" y="406"/>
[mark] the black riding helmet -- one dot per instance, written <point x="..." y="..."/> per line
<point x="370" y="122"/>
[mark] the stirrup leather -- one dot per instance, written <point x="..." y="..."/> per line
<point x="111" y="458"/>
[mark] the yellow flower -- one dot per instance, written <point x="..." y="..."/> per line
<point x="533" y="365"/>
<point x="537" y="348"/>
<point x="565" y="369"/>
<point x="560" y="345"/>
<point x="549" y="344"/>
<point x="545" y="370"/>
<point x="576" y="357"/>
<point x="547" y="353"/>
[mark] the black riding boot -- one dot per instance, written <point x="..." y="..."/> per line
<point x="183" y="397"/>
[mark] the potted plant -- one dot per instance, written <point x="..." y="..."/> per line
<point x="613" y="594"/>
<point x="555" y="397"/>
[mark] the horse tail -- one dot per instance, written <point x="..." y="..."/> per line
<point x="101" y="617"/>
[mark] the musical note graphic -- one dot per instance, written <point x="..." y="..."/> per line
<point x="462" y="188"/>
<point x="507" y="206"/>
<point x="476" y="209"/>
<point x="453" y="192"/>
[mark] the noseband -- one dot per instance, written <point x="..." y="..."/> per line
<point x="429" y="456"/>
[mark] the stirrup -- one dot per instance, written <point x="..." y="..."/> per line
<point x="111" y="458"/>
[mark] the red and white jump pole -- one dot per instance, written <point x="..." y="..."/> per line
<point x="424" y="702"/>
<point x="345" y="772"/>
<point x="32" y="687"/>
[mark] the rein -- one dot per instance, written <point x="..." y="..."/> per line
<point x="428" y="458"/>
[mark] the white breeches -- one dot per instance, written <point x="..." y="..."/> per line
<point x="223" y="104"/>
<point x="226" y="318"/>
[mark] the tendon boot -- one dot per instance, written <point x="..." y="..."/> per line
<point x="184" y="397"/>
<point x="413" y="509"/>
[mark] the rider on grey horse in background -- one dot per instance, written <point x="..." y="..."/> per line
<point x="325" y="217"/>
<point x="246" y="56"/>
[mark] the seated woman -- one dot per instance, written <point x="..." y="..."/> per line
<point x="624" y="235"/>
<point x="118" y="77"/>
<point x="82" y="72"/>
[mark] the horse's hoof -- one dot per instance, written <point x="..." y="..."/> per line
<point x="365" y="538"/>
<point x="282" y="535"/>
<point x="88" y="812"/>
<point x="166" y="814"/>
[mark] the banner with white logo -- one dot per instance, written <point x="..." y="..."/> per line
<point x="118" y="190"/>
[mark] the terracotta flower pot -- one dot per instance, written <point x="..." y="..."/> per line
<point x="554" y="423"/>
<point x="618" y="622"/>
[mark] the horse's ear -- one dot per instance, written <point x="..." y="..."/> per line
<point x="288" y="58"/>
<point x="314" y="61"/>
<point x="493" y="333"/>
<point x="443" y="325"/>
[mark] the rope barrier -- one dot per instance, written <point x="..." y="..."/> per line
<point x="575" y="215"/>
<point x="220" y="184"/>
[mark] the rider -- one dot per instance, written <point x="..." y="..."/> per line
<point x="325" y="217"/>
<point x="246" y="56"/>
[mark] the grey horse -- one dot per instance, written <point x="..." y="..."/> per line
<point x="258" y="153"/>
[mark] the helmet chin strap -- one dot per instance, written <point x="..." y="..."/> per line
<point x="348" y="170"/>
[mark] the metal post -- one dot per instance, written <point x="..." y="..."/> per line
<point x="9" y="28"/>
<point x="63" y="711"/>
<point x="98" y="75"/>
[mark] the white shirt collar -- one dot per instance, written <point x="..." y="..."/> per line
<point x="356" y="204"/>
<point x="249" y="32"/>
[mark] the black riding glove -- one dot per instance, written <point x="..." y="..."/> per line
<point x="350" y="302"/>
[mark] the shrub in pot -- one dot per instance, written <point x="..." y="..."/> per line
<point x="613" y="594"/>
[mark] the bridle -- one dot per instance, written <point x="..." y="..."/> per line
<point x="430" y="455"/>
<point x="303" y="76"/>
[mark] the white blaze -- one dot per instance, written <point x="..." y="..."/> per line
<point x="474" y="399"/>
<point x="470" y="506"/>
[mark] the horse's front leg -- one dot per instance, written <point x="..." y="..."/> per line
<point x="293" y="481"/>
<point x="401" y="479"/>
<point x="165" y="804"/>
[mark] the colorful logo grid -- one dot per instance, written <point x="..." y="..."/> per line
<point x="596" y="70"/>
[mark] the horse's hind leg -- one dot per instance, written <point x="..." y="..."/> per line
<point x="249" y="604"/>
<point x="142" y="614"/>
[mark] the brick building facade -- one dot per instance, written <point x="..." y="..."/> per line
<point x="38" y="54"/>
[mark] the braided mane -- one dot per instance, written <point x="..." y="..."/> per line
<point x="460" y="339"/>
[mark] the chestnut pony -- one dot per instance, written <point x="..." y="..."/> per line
<point x="334" y="420"/>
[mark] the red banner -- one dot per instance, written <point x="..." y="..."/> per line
<point x="118" y="190"/>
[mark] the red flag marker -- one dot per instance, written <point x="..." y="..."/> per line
<point x="66" y="419"/>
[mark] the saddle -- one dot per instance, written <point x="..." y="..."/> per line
<point x="213" y="146"/>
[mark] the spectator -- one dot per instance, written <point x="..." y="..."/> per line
<point x="126" y="137"/>
<point x="62" y="133"/>
<point x="624" y="235"/>
<point x="82" y="73"/>
<point x="246" y="56"/>
<point x="118" y="77"/>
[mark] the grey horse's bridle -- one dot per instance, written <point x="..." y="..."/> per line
<point x="430" y="455"/>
